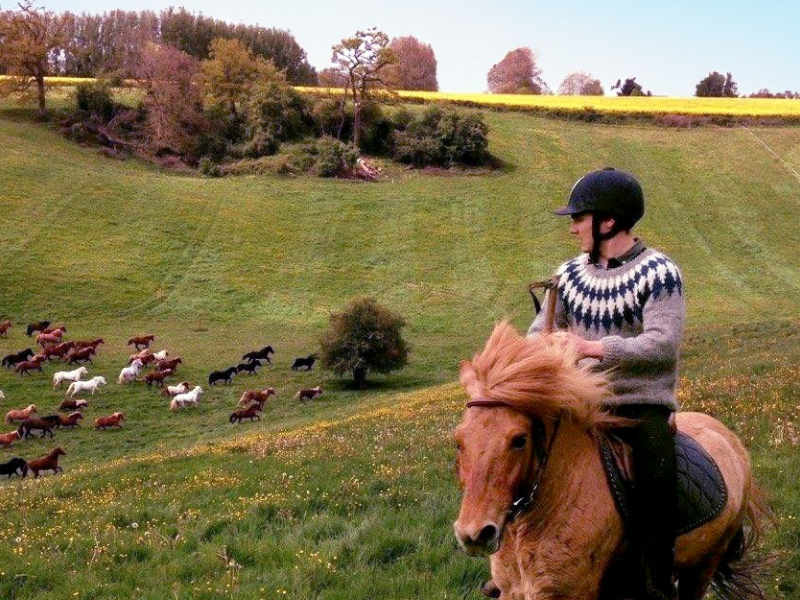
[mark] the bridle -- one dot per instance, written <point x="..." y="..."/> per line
<point x="526" y="492"/>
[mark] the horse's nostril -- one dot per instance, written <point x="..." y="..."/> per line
<point x="487" y="535"/>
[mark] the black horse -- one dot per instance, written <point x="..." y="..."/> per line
<point x="37" y="327"/>
<point x="225" y="375"/>
<point x="16" y="466"/>
<point x="262" y="354"/>
<point x="306" y="363"/>
<point x="249" y="367"/>
<point x="12" y="359"/>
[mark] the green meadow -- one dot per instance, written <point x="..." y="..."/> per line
<point x="351" y="496"/>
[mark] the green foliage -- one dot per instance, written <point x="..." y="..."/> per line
<point x="277" y="111"/>
<point x="364" y="338"/>
<point x="95" y="100"/>
<point x="334" y="158"/>
<point x="443" y="137"/>
<point x="716" y="85"/>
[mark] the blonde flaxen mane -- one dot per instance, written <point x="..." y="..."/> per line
<point x="537" y="377"/>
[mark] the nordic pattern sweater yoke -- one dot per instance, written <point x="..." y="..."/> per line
<point x="637" y="312"/>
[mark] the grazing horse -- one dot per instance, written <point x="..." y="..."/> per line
<point x="34" y="327"/>
<point x="68" y="376"/>
<point x="13" y="359"/>
<point x="262" y="354"/>
<point x="46" y="463"/>
<point x="16" y="466"/>
<point x="305" y="363"/>
<point x="251" y="412"/>
<point x="142" y="340"/>
<point x="308" y="394"/>
<point x="259" y="396"/>
<point x="90" y="384"/>
<point x="225" y="375"/>
<point x="4" y="327"/>
<point x="114" y="420"/>
<point x="20" y="415"/>
<point x="6" y="439"/>
<point x="535" y="495"/>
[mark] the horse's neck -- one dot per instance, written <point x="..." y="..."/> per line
<point x="571" y="477"/>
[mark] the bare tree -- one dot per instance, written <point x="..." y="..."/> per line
<point x="415" y="68"/>
<point x="580" y="84"/>
<point x="30" y="39"/>
<point x="362" y="59"/>
<point x="517" y="73"/>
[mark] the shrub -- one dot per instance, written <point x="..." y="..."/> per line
<point x="335" y="158"/>
<point x="364" y="338"/>
<point x="209" y="168"/>
<point x="441" y="137"/>
<point x="95" y="100"/>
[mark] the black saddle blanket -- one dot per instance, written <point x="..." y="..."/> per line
<point x="701" y="490"/>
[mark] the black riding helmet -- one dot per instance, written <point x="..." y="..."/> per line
<point x="606" y="193"/>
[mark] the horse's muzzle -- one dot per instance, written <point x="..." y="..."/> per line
<point x="478" y="542"/>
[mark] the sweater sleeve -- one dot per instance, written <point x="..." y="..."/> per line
<point x="560" y="322"/>
<point x="659" y="343"/>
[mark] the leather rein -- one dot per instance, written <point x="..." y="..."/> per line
<point x="526" y="493"/>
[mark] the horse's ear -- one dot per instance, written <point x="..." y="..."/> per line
<point x="466" y="374"/>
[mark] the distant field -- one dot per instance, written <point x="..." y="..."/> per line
<point x="352" y="496"/>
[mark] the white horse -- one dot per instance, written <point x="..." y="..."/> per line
<point x="161" y="354"/>
<point x="68" y="376"/>
<point x="174" y="390"/>
<point x="80" y="386"/>
<point x="189" y="398"/>
<point x="130" y="373"/>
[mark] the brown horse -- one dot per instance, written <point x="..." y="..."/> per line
<point x="526" y="394"/>
<point x="142" y="340"/>
<point x="4" y="327"/>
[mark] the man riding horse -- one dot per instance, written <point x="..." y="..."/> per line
<point x="633" y="332"/>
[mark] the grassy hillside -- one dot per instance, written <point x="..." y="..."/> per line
<point x="218" y="267"/>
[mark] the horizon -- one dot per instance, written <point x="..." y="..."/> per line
<point x="682" y="47"/>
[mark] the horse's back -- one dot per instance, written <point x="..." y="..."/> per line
<point x="733" y="461"/>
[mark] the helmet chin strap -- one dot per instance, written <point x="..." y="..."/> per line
<point x="598" y="237"/>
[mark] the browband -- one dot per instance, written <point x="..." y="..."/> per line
<point x="490" y="403"/>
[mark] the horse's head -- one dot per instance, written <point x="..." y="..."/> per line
<point x="59" y="452"/>
<point x="494" y="452"/>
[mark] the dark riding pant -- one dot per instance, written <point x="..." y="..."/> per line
<point x="654" y="514"/>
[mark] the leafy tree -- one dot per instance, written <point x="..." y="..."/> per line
<point x="364" y="338"/>
<point x="173" y="100"/>
<point x="332" y="77"/>
<point x="29" y="41"/>
<point x="629" y="88"/>
<point x="362" y="60"/>
<point x="415" y="68"/>
<point x="517" y="73"/>
<point x="580" y="84"/>
<point x="716" y="85"/>
<point x="231" y="72"/>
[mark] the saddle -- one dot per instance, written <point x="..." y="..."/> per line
<point x="701" y="489"/>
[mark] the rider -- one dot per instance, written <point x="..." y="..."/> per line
<point x="622" y="305"/>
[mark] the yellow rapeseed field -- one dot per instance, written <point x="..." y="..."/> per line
<point x="755" y="107"/>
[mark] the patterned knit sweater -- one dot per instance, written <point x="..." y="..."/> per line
<point x="637" y="311"/>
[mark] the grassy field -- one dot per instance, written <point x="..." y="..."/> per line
<point x="351" y="496"/>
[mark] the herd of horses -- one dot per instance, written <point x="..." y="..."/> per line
<point x="53" y="346"/>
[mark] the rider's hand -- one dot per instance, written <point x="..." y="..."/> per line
<point x="585" y="348"/>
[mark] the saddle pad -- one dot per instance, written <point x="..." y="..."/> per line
<point x="701" y="490"/>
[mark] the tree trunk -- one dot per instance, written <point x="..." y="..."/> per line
<point x="40" y="91"/>
<point x="360" y="377"/>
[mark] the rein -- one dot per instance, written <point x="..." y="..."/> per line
<point x="526" y="494"/>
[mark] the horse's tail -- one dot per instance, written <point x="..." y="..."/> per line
<point x="742" y="566"/>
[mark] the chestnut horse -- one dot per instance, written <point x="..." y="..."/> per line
<point x="529" y="433"/>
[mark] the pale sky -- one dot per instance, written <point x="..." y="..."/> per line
<point x="667" y="46"/>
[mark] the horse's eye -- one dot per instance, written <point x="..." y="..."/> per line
<point x="518" y="441"/>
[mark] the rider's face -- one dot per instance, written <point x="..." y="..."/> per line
<point x="581" y="228"/>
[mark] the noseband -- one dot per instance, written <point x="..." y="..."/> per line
<point x="526" y="492"/>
